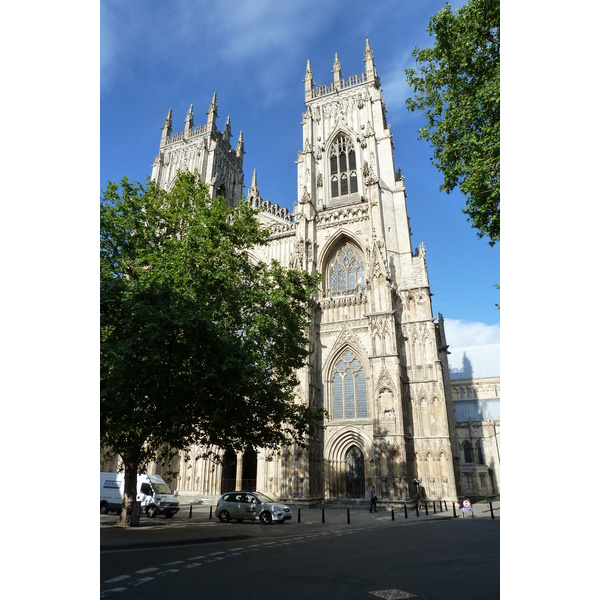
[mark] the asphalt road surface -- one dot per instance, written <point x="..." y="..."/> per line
<point x="376" y="558"/>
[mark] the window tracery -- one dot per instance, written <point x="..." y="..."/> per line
<point x="349" y="389"/>
<point x="347" y="271"/>
<point x="342" y="165"/>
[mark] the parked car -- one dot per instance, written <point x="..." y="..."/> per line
<point x="251" y="505"/>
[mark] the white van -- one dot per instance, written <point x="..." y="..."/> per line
<point x="156" y="497"/>
<point x="152" y="492"/>
<point x="111" y="492"/>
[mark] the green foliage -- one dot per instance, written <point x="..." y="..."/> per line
<point x="199" y="344"/>
<point x="457" y="86"/>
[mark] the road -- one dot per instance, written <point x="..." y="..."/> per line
<point x="371" y="557"/>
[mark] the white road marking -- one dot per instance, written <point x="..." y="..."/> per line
<point x="393" y="594"/>
<point x="148" y="570"/>
<point x="143" y="580"/>
<point x="168" y="571"/>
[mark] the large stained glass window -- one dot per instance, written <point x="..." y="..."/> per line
<point x="349" y="389"/>
<point x="346" y="271"/>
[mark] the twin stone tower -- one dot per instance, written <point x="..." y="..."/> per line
<point x="378" y="363"/>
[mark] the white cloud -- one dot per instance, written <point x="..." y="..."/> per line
<point x="468" y="333"/>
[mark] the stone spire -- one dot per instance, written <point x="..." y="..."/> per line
<point x="337" y="73"/>
<point x="370" y="69"/>
<point x="308" y="81"/>
<point x="239" y="151"/>
<point x="166" y="128"/>
<point x="227" y="132"/>
<point x="253" y="193"/>
<point x="212" y="114"/>
<point x="189" y="121"/>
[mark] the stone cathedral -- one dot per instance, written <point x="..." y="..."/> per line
<point x="378" y="357"/>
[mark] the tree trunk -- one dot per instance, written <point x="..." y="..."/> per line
<point x="129" y="491"/>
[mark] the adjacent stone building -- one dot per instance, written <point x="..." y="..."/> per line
<point x="475" y="390"/>
<point x="378" y="355"/>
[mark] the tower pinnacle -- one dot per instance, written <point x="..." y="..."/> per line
<point x="189" y="120"/>
<point x="370" y="69"/>
<point x="227" y="131"/>
<point x="308" y="81"/>
<point x="239" y="151"/>
<point x="337" y="72"/>
<point x="212" y="114"/>
<point x="166" y="128"/>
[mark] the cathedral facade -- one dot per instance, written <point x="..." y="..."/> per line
<point x="377" y="355"/>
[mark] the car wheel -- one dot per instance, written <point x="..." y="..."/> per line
<point x="224" y="516"/>
<point x="151" y="512"/>
<point x="103" y="508"/>
<point x="265" y="517"/>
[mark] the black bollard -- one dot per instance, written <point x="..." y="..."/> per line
<point x="405" y="512"/>
<point x="426" y="510"/>
<point x="322" y="515"/>
<point x="190" y="511"/>
<point x="417" y="508"/>
<point x="434" y="507"/>
<point x="446" y="506"/>
<point x="348" y="515"/>
<point x="210" y="513"/>
<point x="393" y="519"/>
<point x="454" y="508"/>
<point x="492" y="511"/>
<point x="298" y="515"/>
<point x="440" y="506"/>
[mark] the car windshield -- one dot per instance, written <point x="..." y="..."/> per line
<point x="262" y="497"/>
<point x="161" y="488"/>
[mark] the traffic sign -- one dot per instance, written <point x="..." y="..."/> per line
<point x="466" y="505"/>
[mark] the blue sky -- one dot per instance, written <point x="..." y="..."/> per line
<point x="157" y="55"/>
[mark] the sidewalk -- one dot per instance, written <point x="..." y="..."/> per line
<point x="203" y="526"/>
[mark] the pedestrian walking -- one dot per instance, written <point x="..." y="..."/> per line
<point x="373" y="500"/>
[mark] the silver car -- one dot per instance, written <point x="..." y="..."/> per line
<point x="251" y="505"/>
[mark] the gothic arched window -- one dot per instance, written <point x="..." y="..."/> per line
<point x="346" y="271"/>
<point x="480" y="456"/>
<point x="349" y="389"/>
<point x="468" y="451"/>
<point x="342" y="165"/>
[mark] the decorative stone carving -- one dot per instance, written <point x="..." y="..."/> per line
<point x="385" y="402"/>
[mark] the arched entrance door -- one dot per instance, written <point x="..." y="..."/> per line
<point x="228" y="471"/>
<point x="249" y="462"/>
<point x="355" y="473"/>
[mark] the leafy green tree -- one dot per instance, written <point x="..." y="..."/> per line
<point x="199" y="343"/>
<point x="457" y="86"/>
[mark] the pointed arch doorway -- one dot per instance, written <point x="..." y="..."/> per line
<point x="355" y="473"/>
<point x="249" y="468"/>
<point x="228" y="471"/>
<point x="239" y="473"/>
